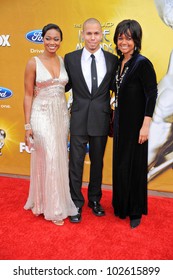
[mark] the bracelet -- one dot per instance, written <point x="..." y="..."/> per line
<point x="27" y="126"/>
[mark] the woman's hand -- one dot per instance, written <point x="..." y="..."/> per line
<point x="144" y="131"/>
<point x="143" y="134"/>
<point x="28" y="134"/>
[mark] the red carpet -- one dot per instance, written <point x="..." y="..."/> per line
<point x="26" y="237"/>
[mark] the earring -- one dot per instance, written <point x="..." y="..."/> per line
<point x="135" y="48"/>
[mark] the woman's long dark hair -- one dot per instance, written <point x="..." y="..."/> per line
<point x="130" y="28"/>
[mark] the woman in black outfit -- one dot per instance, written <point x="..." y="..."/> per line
<point x="136" y="93"/>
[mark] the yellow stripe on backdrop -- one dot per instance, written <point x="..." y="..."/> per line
<point x="22" y="16"/>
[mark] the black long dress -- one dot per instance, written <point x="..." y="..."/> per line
<point x="136" y="99"/>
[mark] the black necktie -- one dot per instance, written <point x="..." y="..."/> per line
<point x="93" y="75"/>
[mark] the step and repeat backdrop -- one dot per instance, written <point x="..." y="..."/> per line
<point x="20" y="39"/>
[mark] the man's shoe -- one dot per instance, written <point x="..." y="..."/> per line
<point x="77" y="218"/>
<point x="96" y="208"/>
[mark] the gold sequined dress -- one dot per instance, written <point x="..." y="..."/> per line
<point x="49" y="192"/>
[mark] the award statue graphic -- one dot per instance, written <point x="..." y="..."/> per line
<point x="2" y="140"/>
<point x="160" y="153"/>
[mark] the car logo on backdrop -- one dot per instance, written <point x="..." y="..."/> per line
<point x="5" y="93"/>
<point x="35" y="36"/>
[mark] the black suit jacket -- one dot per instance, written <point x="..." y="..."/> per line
<point x="90" y="114"/>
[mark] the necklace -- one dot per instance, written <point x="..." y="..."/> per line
<point x="119" y="80"/>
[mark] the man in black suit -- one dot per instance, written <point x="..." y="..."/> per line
<point x="90" y="114"/>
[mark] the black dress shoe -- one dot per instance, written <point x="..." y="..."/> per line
<point x="135" y="222"/>
<point x="96" y="208"/>
<point x="77" y="218"/>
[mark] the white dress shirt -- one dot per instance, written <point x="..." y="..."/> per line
<point x="86" y="66"/>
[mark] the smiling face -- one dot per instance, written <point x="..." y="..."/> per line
<point x="52" y="40"/>
<point x="125" y="44"/>
<point x="92" y="35"/>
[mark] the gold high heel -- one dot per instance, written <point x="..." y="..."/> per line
<point x="59" y="223"/>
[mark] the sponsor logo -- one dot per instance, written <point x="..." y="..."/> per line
<point x="4" y="41"/>
<point x="35" y="36"/>
<point x="5" y="106"/>
<point x="23" y="147"/>
<point x="5" y="93"/>
<point x="36" y="51"/>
